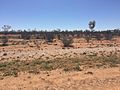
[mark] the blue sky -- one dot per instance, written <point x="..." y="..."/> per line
<point x="64" y="14"/>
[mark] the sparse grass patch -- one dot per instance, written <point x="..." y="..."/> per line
<point x="66" y="69"/>
<point x="12" y="68"/>
<point x="77" y="67"/>
<point x="47" y="65"/>
<point x="112" y="60"/>
<point x="110" y="45"/>
<point x="2" y="65"/>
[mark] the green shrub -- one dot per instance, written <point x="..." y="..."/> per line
<point x="67" y="41"/>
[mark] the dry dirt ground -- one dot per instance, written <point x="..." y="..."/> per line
<point x="24" y="52"/>
<point x="100" y="79"/>
<point x="104" y="78"/>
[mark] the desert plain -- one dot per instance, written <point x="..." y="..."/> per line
<point x="50" y="66"/>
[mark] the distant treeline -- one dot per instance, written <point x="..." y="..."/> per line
<point x="50" y="35"/>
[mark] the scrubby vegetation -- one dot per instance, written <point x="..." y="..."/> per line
<point x="13" y="68"/>
<point x="67" y="41"/>
<point x="48" y="36"/>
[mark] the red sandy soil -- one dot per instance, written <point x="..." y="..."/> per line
<point x="90" y="79"/>
<point x="100" y="79"/>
